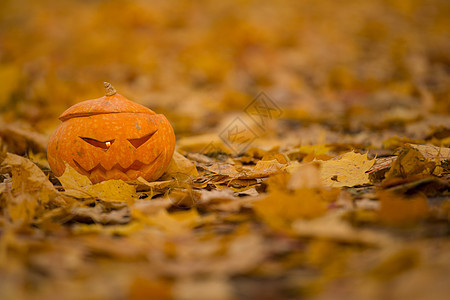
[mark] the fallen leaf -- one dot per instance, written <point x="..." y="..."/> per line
<point x="347" y="170"/>
<point x="380" y="167"/>
<point x="180" y="164"/>
<point x="112" y="190"/>
<point x="431" y="151"/>
<point x="79" y="186"/>
<point x="223" y="169"/>
<point x="140" y="209"/>
<point x="225" y="200"/>
<point x="28" y="178"/>
<point x="408" y="163"/>
<point x="155" y="187"/>
<point x="71" y="179"/>
<point x="263" y="168"/>
<point x="427" y="184"/>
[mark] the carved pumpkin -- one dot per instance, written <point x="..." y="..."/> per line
<point x="112" y="138"/>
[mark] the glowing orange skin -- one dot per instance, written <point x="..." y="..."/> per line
<point x="121" y="160"/>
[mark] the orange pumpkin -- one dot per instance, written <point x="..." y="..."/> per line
<point x="112" y="138"/>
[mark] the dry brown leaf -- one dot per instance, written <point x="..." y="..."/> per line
<point x="223" y="169"/>
<point x="98" y="215"/>
<point x="216" y="196"/>
<point x="28" y="178"/>
<point x="226" y="199"/>
<point x="155" y="187"/>
<point x="431" y="151"/>
<point x="408" y="163"/>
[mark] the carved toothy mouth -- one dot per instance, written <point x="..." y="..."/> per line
<point x="136" y="169"/>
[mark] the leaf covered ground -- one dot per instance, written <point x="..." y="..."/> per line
<point x="312" y="157"/>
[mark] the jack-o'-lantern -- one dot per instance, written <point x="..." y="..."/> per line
<point x="112" y="138"/>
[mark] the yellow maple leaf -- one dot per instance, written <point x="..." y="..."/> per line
<point x="348" y="170"/>
<point x="112" y="190"/>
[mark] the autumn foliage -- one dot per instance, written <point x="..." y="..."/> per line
<point x="311" y="157"/>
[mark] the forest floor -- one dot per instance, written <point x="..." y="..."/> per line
<point x="311" y="162"/>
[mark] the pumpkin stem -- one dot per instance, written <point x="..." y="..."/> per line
<point x="109" y="89"/>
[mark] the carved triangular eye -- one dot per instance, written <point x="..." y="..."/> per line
<point x="140" y="141"/>
<point x="98" y="144"/>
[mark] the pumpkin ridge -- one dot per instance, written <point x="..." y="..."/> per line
<point x="104" y="105"/>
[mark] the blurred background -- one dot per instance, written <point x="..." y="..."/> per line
<point x="196" y="61"/>
<point x="369" y="75"/>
